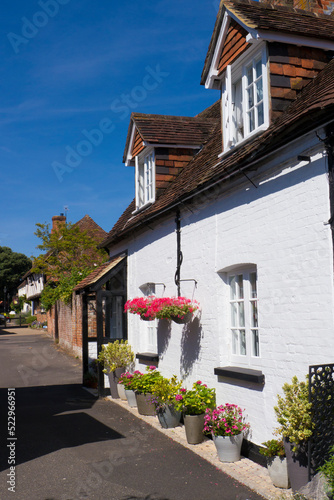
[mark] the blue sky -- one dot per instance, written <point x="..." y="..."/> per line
<point x="72" y="72"/>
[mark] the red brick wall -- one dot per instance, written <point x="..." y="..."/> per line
<point x="138" y="145"/>
<point x="291" y="68"/>
<point x="69" y="325"/>
<point x="168" y="163"/>
<point x="235" y="44"/>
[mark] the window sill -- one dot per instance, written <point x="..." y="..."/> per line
<point x="239" y="373"/>
<point x="244" y="141"/>
<point x="143" y="207"/>
<point x="147" y="356"/>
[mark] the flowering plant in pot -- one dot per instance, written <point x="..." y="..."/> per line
<point x="276" y="462"/>
<point x="193" y="403"/>
<point x="164" y="392"/>
<point x="294" y="415"/>
<point x="196" y="400"/>
<point x="179" y="309"/>
<point x="143" y="386"/>
<point x="116" y="357"/>
<point x="226" y="425"/>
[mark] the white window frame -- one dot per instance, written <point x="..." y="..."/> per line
<point x="235" y="72"/>
<point x="150" y="327"/>
<point x="145" y="179"/>
<point x="248" y="302"/>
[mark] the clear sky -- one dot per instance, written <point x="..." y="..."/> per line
<point x="72" y="72"/>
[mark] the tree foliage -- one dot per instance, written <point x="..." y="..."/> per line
<point x="12" y="267"/>
<point x="70" y="255"/>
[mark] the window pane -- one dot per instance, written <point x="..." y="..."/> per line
<point x="240" y="286"/>
<point x="259" y="90"/>
<point x="260" y="114"/>
<point x="233" y="294"/>
<point x="233" y="314"/>
<point x="249" y="73"/>
<point x="254" y="314"/>
<point x="235" y="341"/>
<point x="241" y="314"/>
<point x="250" y="94"/>
<point x="256" y="349"/>
<point x="252" y="278"/>
<point x="251" y="120"/>
<point x="242" y="335"/>
<point x="258" y="68"/>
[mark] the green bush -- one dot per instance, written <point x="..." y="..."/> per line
<point x="328" y="470"/>
<point x="30" y="319"/>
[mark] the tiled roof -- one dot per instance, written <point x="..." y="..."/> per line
<point x="271" y="18"/>
<point x="98" y="273"/>
<point x="93" y="229"/>
<point x="313" y="107"/>
<point x="178" y="130"/>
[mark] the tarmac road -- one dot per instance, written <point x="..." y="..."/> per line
<point x="64" y="444"/>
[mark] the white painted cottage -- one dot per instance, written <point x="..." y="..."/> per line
<point x="239" y="220"/>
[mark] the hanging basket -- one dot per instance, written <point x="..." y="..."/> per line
<point x="146" y="318"/>
<point x="182" y="320"/>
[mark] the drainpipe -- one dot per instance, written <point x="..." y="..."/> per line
<point x="179" y="256"/>
<point x="328" y="142"/>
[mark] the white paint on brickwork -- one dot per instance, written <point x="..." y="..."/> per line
<point x="279" y="227"/>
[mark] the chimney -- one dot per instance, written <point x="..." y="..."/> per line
<point x="315" y="6"/>
<point x="57" y="221"/>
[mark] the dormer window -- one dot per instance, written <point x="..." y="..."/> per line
<point x="245" y="98"/>
<point x="145" y="179"/>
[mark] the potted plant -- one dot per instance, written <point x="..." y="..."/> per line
<point x="193" y="403"/>
<point x="226" y="425"/>
<point x="294" y="415"/>
<point x="164" y="392"/>
<point x="128" y="379"/>
<point x="116" y="357"/>
<point x="179" y="309"/>
<point x="143" y="385"/>
<point x="276" y="462"/>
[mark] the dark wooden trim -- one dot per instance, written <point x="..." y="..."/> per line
<point x="147" y="356"/>
<point x="240" y="373"/>
<point x="84" y="334"/>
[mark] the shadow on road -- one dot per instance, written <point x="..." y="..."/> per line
<point x="50" y="418"/>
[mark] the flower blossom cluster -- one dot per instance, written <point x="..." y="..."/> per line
<point x="225" y="420"/>
<point x="161" y="307"/>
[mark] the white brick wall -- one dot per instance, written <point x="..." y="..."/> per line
<point x="279" y="227"/>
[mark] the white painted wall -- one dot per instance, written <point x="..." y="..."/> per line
<point x="280" y="227"/>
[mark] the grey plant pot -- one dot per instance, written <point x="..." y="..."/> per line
<point x="113" y="381"/>
<point x="194" y="425"/>
<point x="278" y="471"/>
<point x="297" y="464"/>
<point x="169" y="417"/>
<point x="131" y="398"/>
<point x="144" y="405"/>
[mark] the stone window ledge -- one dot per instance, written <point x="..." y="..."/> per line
<point x="147" y="356"/>
<point x="240" y="373"/>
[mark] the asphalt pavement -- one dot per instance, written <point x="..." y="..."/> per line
<point x="59" y="442"/>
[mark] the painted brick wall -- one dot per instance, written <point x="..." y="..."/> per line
<point x="279" y="227"/>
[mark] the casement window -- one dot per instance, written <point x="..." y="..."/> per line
<point x="145" y="180"/>
<point x="245" y="99"/>
<point x="244" y="329"/>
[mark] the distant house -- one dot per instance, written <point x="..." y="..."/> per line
<point x="234" y="208"/>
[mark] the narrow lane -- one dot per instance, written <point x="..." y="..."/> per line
<point x="71" y="446"/>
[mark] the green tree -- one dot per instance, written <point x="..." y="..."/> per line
<point x="12" y="267"/>
<point x="71" y="254"/>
